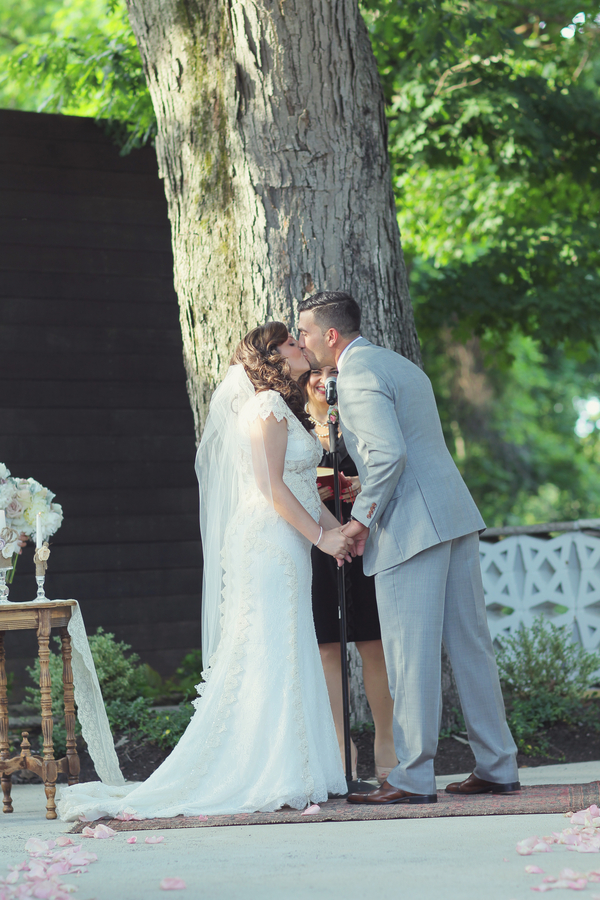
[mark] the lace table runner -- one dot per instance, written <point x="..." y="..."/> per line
<point x="90" y="705"/>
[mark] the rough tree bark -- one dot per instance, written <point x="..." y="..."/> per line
<point x="272" y="146"/>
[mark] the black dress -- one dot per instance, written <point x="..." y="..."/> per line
<point x="361" y="606"/>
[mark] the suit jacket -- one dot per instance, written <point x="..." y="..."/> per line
<point x="413" y="496"/>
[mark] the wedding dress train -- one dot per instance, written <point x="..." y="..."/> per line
<point x="262" y="735"/>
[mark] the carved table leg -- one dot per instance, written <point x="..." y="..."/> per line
<point x="72" y="756"/>
<point x="49" y="764"/>
<point x="6" y="779"/>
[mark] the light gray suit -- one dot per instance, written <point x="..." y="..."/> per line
<point x="423" y="549"/>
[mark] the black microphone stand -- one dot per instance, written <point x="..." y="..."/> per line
<point x="332" y="419"/>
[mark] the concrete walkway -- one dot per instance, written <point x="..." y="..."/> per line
<point x="470" y="858"/>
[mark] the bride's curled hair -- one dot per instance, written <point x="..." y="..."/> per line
<point x="267" y="369"/>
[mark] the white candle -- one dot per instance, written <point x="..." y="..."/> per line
<point x="2" y="520"/>
<point x="38" y="531"/>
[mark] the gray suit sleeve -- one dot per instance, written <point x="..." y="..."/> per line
<point x="369" y="413"/>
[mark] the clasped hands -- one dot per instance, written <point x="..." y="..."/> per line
<point x="345" y="542"/>
<point x="359" y="534"/>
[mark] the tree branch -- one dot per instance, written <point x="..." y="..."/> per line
<point x="581" y="65"/>
<point x="456" y="87"/>
<point x="11" y="40"/>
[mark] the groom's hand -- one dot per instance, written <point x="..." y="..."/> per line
<point x="360" y="533"/>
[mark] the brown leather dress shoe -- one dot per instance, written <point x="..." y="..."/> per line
<point x="474" y="785"/>
<point x="388" y="794"/>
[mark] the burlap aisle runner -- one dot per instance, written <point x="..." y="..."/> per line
<point x="545" y="798"/>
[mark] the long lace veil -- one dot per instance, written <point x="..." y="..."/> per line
<point x="218" y="467"/>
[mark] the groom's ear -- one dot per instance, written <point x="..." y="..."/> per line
<point x="331" y="337"/>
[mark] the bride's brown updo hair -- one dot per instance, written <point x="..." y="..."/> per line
<point x="267" y="369"/>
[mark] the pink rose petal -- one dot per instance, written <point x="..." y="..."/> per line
<point x="534" y="870"/>
<point x="172" y="884"/>
<point x="59" y="868"/>
<point x="103" y="831"/>
<point x="525" y="847"/>
<point x="35" y="845"/>
<point x="203" y="818"/>
<point x="37" y="871"/>
<point x="154" y="839"/>
<point x="82" y="859"/>
<point x="578" y="818"/>
<point x="311" y="810"/>
<point x="100" y="832"/>
<point x="45" y="891"/>
<point x="132" y="840"/>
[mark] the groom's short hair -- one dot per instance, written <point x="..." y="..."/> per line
<point x="333" y="309"/>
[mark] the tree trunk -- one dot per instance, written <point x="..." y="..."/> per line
<point x="272" y="143"/>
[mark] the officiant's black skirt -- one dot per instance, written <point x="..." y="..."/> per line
<point x="361" y="605"/>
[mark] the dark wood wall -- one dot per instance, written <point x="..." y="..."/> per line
<point x="93" y="401"/>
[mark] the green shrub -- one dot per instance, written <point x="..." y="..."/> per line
<point x="128" y="689"/>
<point x="189" y="674"/>
<point x="121" y="676"/>
<point x="119" y="672"/>
<point x="544" y="676"/>
<point x="165" y="728"/>
<point x="128" y="715"/>
<point x="122" y="680"/>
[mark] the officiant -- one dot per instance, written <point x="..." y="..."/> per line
<point x="363" y="619"/>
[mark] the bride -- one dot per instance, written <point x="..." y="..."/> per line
<point x="262" y="735"/>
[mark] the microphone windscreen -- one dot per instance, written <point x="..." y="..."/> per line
<point x="331" y="389"/>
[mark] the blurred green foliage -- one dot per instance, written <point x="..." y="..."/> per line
<point x="511" y="428"/>
<point x="494" y="137"/>
<point x="494" y="130"/>
<point x="494" y="134"/>
<point x="142" y="723"/>
<point x="129" y="690"/>
<point x="77" y="58"/>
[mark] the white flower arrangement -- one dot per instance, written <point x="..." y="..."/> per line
<point x="22" y="499"/>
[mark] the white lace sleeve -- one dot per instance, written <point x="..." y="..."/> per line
<point x="269" y="403"/>
<point x="90" y="705"/>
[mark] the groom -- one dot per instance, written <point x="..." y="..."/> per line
<point x="418" y="527"/>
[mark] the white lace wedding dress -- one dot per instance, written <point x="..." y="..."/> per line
<point x="262" y="735"/>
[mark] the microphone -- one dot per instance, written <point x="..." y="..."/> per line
<point x="331" y="390"/>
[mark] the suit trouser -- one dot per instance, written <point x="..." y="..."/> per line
<point x="438" y="595"/>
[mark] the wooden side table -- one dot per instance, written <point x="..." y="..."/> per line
<point x="42" y="616"/>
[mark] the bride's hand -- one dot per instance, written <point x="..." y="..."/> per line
<point x="336" y="543"/>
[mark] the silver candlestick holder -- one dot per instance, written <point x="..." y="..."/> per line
<point x="41" y="557"/>
<point x="7" y="536"/>
<point x="41" y="594"/>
